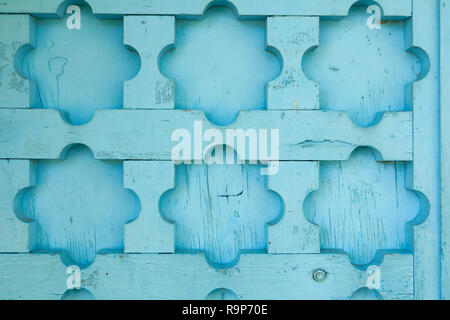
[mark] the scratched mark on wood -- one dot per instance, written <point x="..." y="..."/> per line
<point x="365" y="81"/>
<point x="92" y="60"/>
<point x="318" y="136"/>
<point x="221" y="210"/>
<point x="362" y="206"/>
<point x="79" y="206"/>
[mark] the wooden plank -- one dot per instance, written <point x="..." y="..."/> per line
<point x="17" y="38"/>
<point x="363" y="206"/>
<point x="445" y="146"/>
<point x="15" y="176"/>
<point x="245" y="8"/>
<point x="292" y="37"/>
<point x="293" y="233"/>
<point x="149" y="233"/>
<point x="146" y="134"/>
<point x="425" y="106"/>
<point x="183" y="276"/>
<point x="149" y="89"/>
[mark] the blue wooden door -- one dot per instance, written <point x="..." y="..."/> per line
<point x="223" y="149"/>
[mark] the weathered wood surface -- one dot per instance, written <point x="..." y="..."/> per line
<point x="146" y="134"/>
<point x="149" y="232"/>
<point x="15" y="176"/>
<point x="292" y="37"/>
<point x="252" y="8"/>
<point x="150" y="43"/>
<point x="17" y="37"/>
<point x="424" y="99"/>
<point x="445" y="146"/>
<point x="352" y="75"/>
<point x="184" y="276"/>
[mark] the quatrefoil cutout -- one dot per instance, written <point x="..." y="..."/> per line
<point x="363" y="206"/>
<point x="363" y="71"/>
<point x="79" y="206"/>
<point x="220" y="209"/>
<point x="220" y="65"/>
<point x="80" y="71"/>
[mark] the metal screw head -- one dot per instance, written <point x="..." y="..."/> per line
<point x="319" y="275"/>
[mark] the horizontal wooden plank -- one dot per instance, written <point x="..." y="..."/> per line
<point x="183" y="276"/>
<point x="146" y="134"/>
<point x="391" y="8"/>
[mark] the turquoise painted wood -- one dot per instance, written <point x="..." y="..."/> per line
<point x="88" y="177"/>
<point x="138" y="276"/>
<point x="444" y="136"/>
<point x="195" y="8"/>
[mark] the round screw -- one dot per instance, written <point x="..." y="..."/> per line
<point x="319" y="275"/>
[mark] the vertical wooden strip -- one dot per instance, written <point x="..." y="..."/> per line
<point x="424" y="38"/>
<point x="293" y="233"/>
<point x="17" y="37"/>
<point x="445" y="146"/>
<point x="149" y="232"/>
<point x="149" y="89"/>
<point x="292" y="37"/>
<point x="15" y="175"/>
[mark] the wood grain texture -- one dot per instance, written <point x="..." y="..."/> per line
<point x="221" y="210"/>
<point x="220" y="65"/>
<point x="349" y="180"/>
<point x="292" y="37"/>
<point x="195" y="8"/>
<point x="373" y="77"/>
<point x="149" y="232"/>
<point x="93" y="59"/>
<point x="78" y="206"/>
<point x="15" y="176"/>
<point x="425" y="105"/>
<point x="133" y="138"/>
<point x="363" y="206"/>
<point x="293" y="233"/>
<point x="184" y="276"/>
<point x="149" y="89"/>
<point x="17" y="37"/>
<point x="445" y="146"/>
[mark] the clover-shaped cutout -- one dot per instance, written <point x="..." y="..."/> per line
<point x="79" y="206"/>
<point x="80" y="71"/>
<point x="220" y="209"/>
<point x="222" y="294"/>
<point x="220" y="65"/>
<point x="363" y="71"/>
<point x="363" y="206"/>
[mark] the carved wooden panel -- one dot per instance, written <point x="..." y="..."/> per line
<point x="114" y="130"/>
